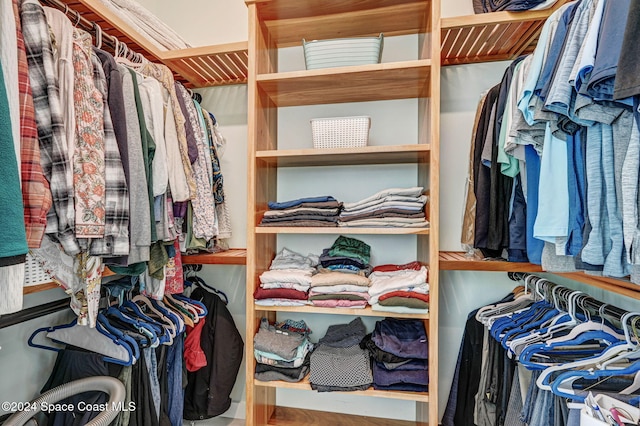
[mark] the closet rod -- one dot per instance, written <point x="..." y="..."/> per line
<point x="590" y="301"/>
<point x="90" y="26"/>
<point x="33" y="312"/>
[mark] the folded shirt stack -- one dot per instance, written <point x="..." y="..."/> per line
<point x="339" y="363"/>
<point x="395" y="207"/>
<point x="399" y="288"/>
<point x="287" y="281"/>
<point x="311" y="212"/>
<point x="339" y="290"/>
<point x="400" y="355"/>
<point x="282" y="351"/>
<point x="347" y="255"/>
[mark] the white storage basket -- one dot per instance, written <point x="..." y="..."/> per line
<point x="342" y="52"/>
<point x="34" y="273"/>
<point x="340" y="132"/>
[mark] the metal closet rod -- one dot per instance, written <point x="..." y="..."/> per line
<point x="92" y="27"/>
<point x="33" y="312"/>
<point x="589" y="301"/>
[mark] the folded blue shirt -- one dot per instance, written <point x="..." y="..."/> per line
<point x="273" y="205"/>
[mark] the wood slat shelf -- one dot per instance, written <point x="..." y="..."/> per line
<point x="458" y="261"/>
<point x="39" y="287"/>
<point x="287" y="416"/>
<point x="237" y="256"/>
<point x="206" y="66"/>
<point x="288" y="21"/>
<point x="392" y="154"/>
<point x="375" y="82"/>
<point x="340" y="230"/>
<point x="489" y="37"/>
<point x="366" y="312"/>
<point x="305" y="385"/>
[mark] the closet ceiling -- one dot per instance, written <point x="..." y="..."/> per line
<point x="205" y="66"/>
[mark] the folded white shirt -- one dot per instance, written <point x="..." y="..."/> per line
<point x="286" y="276"/>
<point x="391" y="200"/>
<point x="293" y="286"/>
<point x="383" y="282"/>
<point x="415" y="191"/>
<point x="340" y="288"/>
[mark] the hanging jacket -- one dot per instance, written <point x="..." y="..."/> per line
<point x="208" y="389"/>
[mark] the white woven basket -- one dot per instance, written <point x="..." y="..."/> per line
<point x="34" y="273"/>
<point x="342" y="52"/>
<point x="340" y="132"/>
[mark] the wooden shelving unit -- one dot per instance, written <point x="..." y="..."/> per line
<point x="458" y="261"/>
<point x="39" y="287"/>
<point x="286" y="416"/>
<point x="366" y="312"/>
<point x="305" y="385"/>
<point x="237" y="256"/>
<point x="487" y="37"/>
<point x="196" y="67"/>
<point x="274" y="24"/>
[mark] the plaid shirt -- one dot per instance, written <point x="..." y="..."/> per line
<point x="36" y="195"/>
<point x="116" y="231"/>
<point x="48" y="113"/>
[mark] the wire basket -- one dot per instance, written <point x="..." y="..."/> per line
<point x="34" y="273"/>
<point x="340" y="132"/>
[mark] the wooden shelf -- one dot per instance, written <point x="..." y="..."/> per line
<point x="39" y="287"/>
<point x="366" y="312"/>
<point x="286" y="416"/>
<point x="459" y="261"/>
<point x="375" y="82"/>
<point x="305" y="385"/>
<point x="288" y="21"/>
<point x="197" y="67"/>
<point x="393" y="154"/>
<point x="340" y="230"/>
<point x="229" y="257"/>
<point x="489" y="37"/>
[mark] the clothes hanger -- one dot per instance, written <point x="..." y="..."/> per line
<point x="201" y="283"/>
<point x="169" y="325"/>
<point x="92" y="339"/>
<point x="160" y="328"/>
<point x="98" y="35"/>
<point x="188" y="313"/>
<point x="102" y="324"/>
<point x="196" y="304"/>
<point x="140" y="326"/>
<point x="173" y="316"/>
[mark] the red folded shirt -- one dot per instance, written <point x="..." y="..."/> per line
<point x="408" y="294"/>
<point x="279" y="293"/>
<point x="390" y="268"/>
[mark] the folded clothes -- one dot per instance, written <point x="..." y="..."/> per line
<point x="405" y="294"/>
<point x="339" y="278"/>
<point x="401" y="337"/>
<point x="273" y="205"/>
<point x="384" y="282"/>
<point x="421" y="289"/>
<point x="281" y="302"/>
<point x="303" y="223"/>
<point x="406" y="205"/>
<point x="302" y="211"/>
<point x="289" y="259"/>
<point x="290" y="325"/>
<point x="279" y="293"/>
<point x="383" y="214"/>
<point x="339" y="296"/>
<point x="292" y="286"/>
<point x="349" y="269"/>
<point x="397" y="309"/>
<point x="268" y="373"/>
<point x="327" y="260"/>
<point x="287" y="276"/>
<point x="336" y="303"/>
<point x="274" y="359"/>
<point x="406" y="387"/>
<point x="378" y="354"/>
<point x="407" y="302"/>
<point x="343" y="367"/>
<point x="265" y="360"/>
<point x="298" y="218"/>
<point x="395" y="222"/>
<point x="321" y="388"/>
<point x="391" y="267"/>
<point x="344" y="335"/>
<point x="284" y="345"/>
<point x="350" y="247"/>
<point x="384" y="377"/>
<point x="327" y="289"/>
<point x="407" y="192"/>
